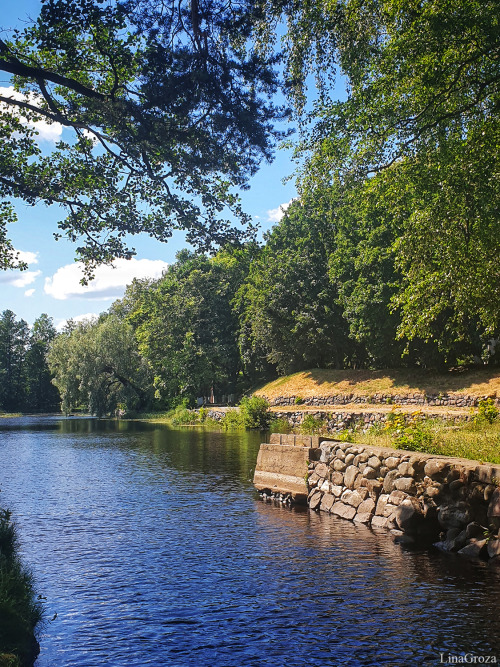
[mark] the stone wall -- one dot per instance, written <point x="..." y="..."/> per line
<point x="452" y="400"/>
<point x="454" y="503"/>
<point x="340" y="420"/>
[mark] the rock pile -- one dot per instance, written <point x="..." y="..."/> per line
<point x="452" y="502"/>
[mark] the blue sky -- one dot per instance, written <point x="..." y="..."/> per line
<point x="51" y="284"/>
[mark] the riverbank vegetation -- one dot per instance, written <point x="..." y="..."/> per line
<point x="251" y="413"/>
<point x="21" y="611"/>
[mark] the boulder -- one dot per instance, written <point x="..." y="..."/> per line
<point x="374" y="462"/>
<point x="325" y="487"/>
<point x="407" y="485"/>
<point x="389" y="481"/>
<point x="454" y="516"/>
<point x="352" y="498"/>
<point x="397" y="497"/>
<point x="322" y="470"/>
<point x="406" y="469"/>
<point x="326" y="451"/>
<point x="339" y="465"/>
<point x="488" y="492"/>
<point x="369" y="473"/>
<point x="327" y="502"/>
<point x="367" y="507"/>
<point x="343" y="510"/>
<point x="391" y="462"/>
<point x="313" y="479"/>
<point x="337" y="478"/>
<point x="493" y="548"/>
<point x="456" y="485"/>
<point x="494" y="508"/>
<point x="380" y="522"/>
<point x="434" y="489"/>
<point x="383" y="499"/>
<point x="474" y="549"/>
<point x="350" y="476"/>
<point x="409" y="515"/>
<point x="315" y="499"/>
<point x="374" y="487"/>
<point x="474" y="529"/>
<point x="458" y="541"/>
<point x="436" y="469"/>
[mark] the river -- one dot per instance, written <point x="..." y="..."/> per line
<point x="152" y="547"/>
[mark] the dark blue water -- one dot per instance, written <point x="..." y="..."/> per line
<point x="152" y="548"/>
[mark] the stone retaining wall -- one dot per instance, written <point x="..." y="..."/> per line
<point x="455" y="400"/>
<point x="341" y="420"/>
<point x="452" y="502"/>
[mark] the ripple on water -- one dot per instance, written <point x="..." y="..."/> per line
<point x="152" y="548"/>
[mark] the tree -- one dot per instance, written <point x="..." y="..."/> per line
<point x="41" y="394"/>
<point x="13" y="344"/>
<point x="168" y="105"/>
<point x="419" y="129"/>
<point x="289" y="315"/>
<point x="186" y="327"/>
<point x="96" y="364"/>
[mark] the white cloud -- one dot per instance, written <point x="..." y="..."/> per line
<point x="276" y="214"/>
<point x="19" y="278"/>
<point x="60" y="324"/>
<point x="46" y="131"/>
<point x="109" y="281"/>
<point x="29" y="292"/>
<point x="27" y="256"/>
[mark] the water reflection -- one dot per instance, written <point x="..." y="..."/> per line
<point x="151" y="546"/>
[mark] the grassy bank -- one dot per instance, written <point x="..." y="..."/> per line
<point x="20" y="609"/>
<point x="328" y="382"/>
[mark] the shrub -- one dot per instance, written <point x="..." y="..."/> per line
<point x="233" y="419"/>
<point x="487" y="411"/>
<point x="182" y="415"/>
<point x="280" y="425"/>
<point x="311" y="424"/>
<point x="255" y="412"/>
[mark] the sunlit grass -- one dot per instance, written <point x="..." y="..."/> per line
<point x="329" y="382"/>
<point x="475" y="440"/>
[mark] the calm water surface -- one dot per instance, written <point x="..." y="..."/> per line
<point x="152" y="548"/>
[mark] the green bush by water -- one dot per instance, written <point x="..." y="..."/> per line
<point x="20" y="609"/>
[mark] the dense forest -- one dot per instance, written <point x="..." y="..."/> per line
<point x="389" y="255"/>
<point x="25" y="379"/>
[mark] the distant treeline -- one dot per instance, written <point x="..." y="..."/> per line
<point x="315" y="294"/>
<point x="25" y="379"/>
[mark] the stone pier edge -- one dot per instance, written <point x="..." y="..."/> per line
<point x="451" y="502"/>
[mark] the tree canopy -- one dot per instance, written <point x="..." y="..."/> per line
<point x="170" y="112"/>
<point x="415" y="141"/>
<point x="25" y="379"/>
